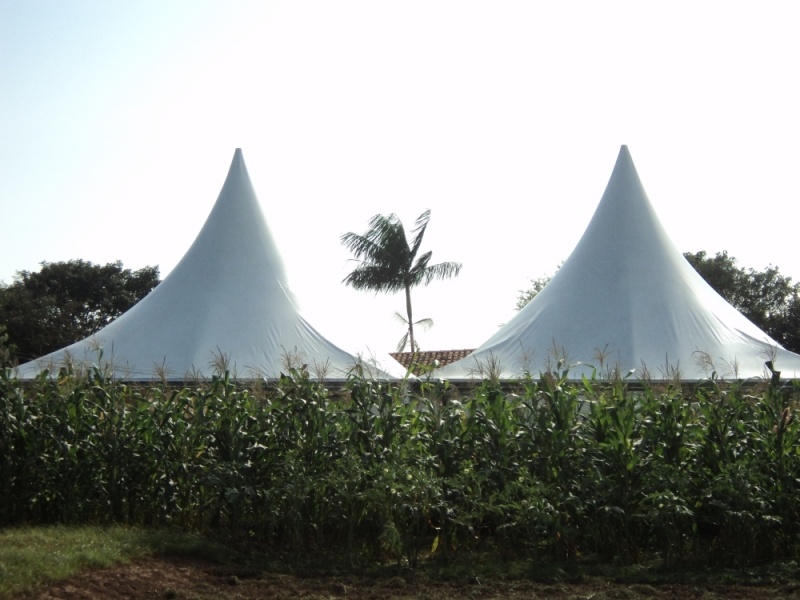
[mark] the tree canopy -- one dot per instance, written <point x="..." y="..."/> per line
<point x="537" y="285"/>
<point x="767" y="298"/>
<point x="388" y="263"/>
<point x="64" y="302"/>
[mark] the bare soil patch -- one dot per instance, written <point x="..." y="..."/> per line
<point x="191" y="579"/>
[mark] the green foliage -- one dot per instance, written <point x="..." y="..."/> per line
<point x="376" y="471"/>
<point x="525" y="296"/>
<point x="65" y="302"/>
<point x="537" y="285"/>
<point x="388" y="263"/>
<point x="528" y="294"/>
<point x="34" y="556"/>
<point x="6" y="350"/>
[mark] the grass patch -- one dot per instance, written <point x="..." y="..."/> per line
<point x="31" y="557"/>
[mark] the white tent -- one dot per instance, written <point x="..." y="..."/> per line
<point x="225" y="305"/>
<point x="627" y="299"/>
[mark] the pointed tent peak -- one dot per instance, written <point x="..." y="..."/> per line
<point x="625" y="194"/>
<point x="238" y="160"/>
<point x="238" y="188"/>
<point x="238" y="166"/>
<point x="624" y="162"/>
<point x="624" y="201"/>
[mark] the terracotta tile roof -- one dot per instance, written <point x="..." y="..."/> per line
<point x="445" y="357"/>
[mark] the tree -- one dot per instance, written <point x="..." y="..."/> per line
<point x="767" y="298"/>
<point x="68" y="301"/>
<point x="537" y="285"/>
<point x="388" y="263"/>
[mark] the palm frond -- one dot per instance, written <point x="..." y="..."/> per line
<point x="426" y="324"/>
<point x="383" y="248"/>
<point x="441" y="271"/>
<point x="419" y="232"/>
<point x="383" y="242"/>
<point x="373" y="277"/>
<point x="359" y="245"/>
<point x="401" y="345"/>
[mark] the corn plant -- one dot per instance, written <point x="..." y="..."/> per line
<point x="615" y="425"/>
<point x="553" y="449"/>
<point x="669" y="434"/>
<point x="380" y="470"/>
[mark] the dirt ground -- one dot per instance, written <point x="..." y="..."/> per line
<point x="198" y="580"/>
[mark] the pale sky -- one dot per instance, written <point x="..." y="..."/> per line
<point x="119" y="120"/>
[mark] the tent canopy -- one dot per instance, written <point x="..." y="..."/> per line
<point x="627" y="299"/>
<point x="225" y="306"/>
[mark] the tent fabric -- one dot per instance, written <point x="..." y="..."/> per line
<point x="227" y="304"/>
<point x="627" y="299"/>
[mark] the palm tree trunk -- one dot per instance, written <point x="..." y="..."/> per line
<point x="410" y="318"/>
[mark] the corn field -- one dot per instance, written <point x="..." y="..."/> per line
<point x="378" y="470"/>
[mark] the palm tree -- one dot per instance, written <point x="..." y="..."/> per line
<point x="389" y="264"/>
